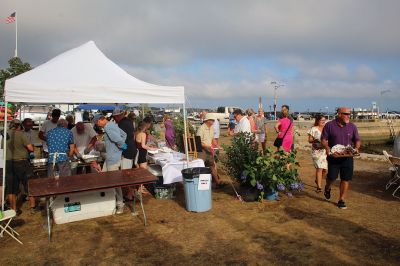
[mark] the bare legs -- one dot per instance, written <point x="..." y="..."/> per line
<point x="344" y="187"/>
<point x="12" y="199"/>
<point x="319" y="174"/>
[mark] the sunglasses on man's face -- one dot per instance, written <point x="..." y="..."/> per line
<point x="346" y="113"/>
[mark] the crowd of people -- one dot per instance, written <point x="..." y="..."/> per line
<point x="118" y="139"/>
<point x="323" y="137"/>
<point x="124" y="144"/>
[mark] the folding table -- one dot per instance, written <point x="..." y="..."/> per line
<point x="49" y="187"/>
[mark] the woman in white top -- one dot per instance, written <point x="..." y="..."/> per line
<point x="318" y="152"/>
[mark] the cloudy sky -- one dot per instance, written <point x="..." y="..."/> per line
<point x="326" y="53"/>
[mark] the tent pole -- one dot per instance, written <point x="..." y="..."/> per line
<point x="4" y="153"/>
<point x="186" y="138"/>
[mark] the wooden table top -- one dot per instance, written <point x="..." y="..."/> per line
<point x="43" y="187"/>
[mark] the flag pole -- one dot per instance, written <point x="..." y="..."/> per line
<point x="16" y="34"/>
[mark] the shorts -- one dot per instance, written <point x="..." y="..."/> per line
<point x="64" y="169"/>
<point x="12" y="184"/>
<point x="232" y="126"/>
<point x="260" y="137"/>
<point x="342" y="166"/>
<point x="207" y="158"/>
<point x="22" y="172"/>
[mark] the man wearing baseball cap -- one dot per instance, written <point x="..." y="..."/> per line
<point x="114" y="140"/>
<point x="126" y="125"/>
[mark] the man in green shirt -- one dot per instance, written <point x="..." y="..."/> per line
<point x="21" y="150"/>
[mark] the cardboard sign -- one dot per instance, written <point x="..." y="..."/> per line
<point x="204" y="182"/>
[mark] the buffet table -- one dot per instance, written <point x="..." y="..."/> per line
<point x="49" y="187"/>
<point x="172" y="164"/>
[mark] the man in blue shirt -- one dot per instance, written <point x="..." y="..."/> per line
<point x="114" y="140"/>
<point x="60" y="143"/>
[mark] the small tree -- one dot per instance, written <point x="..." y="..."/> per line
<point x="16" y="67"/>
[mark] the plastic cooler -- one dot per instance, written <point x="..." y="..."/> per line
<point x="81" y="206"/>
<point x="197" y="186"/>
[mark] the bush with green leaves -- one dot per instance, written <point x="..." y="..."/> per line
<point x="240" y="154"/>
<point x="272" y="171"/>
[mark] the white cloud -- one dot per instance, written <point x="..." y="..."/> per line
<point x="366" y="73"/>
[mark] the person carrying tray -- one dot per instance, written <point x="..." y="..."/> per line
<point x="340" y="131"/>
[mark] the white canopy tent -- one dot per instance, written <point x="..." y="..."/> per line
<point x="84" y="75"/>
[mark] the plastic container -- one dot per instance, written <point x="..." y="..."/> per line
<point x="197" y="189"/>
<point x="82" y="206"/>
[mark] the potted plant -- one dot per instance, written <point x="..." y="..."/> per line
<point x="240" y="156"/>
<point x="261" y="175"/>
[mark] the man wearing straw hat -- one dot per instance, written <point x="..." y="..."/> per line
<point x="206" y="134"/>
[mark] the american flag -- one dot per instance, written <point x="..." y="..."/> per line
<point x="10" y="18"/>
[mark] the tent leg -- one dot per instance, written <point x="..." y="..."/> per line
<point x="185" y="132"/>
<point x="48" y="217"/>
<point x="4" y="153"/>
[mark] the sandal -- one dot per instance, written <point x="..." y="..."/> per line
<point x="318" y="190"/>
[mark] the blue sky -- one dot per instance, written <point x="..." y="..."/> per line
<point x="326" y="53"/>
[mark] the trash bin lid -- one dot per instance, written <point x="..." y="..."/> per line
<point x="194" y="172"/>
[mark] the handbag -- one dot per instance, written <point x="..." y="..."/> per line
<point x="279" y="141"/>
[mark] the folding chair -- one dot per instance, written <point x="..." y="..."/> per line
<point x="395" y="162"/>
<point x="5" y="225"/>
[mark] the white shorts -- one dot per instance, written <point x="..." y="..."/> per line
<point x="260" y="137"/>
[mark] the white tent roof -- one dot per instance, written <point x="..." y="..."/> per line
<point x="85" y="75"/>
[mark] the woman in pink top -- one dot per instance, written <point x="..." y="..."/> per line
<point x="285" y="124"/>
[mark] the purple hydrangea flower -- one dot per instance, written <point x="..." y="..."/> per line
<point x="301" y="187"/>
<point x="260" y="186"/>
<point x="294" y="186"/>
<point x="243" y="177"/>
<point x="281" y="187"/>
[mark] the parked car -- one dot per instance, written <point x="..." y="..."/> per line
<point x="222" y="114"/>
<point x="38" y="113"/>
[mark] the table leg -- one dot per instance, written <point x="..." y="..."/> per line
<point x="133" y="211"/>
<point x="141" y="205"/>
<point x="48" y="217"/>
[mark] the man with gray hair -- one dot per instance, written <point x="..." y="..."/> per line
<point x="60" y="142"/>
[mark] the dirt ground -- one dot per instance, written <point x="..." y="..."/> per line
<point x="304" y="229"/>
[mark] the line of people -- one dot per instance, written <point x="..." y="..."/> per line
<point x="117" y="140"/>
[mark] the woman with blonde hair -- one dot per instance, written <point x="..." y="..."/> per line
<point x="261" y="133"/>
<point x="250" y="116"/>
<point x="284" y="128"/>
<point x="318" y="152"/>
<point x="141" y="139"/>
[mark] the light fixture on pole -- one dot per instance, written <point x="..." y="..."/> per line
<point x="327" y="111"/>
<point x="380" y="100"/>
<point x="276" y="86"/>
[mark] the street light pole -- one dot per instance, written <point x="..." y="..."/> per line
<point x="276" y="86"/>
<point x="380" y="101"/>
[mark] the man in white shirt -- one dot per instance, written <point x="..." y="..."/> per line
<point x="84" y="140"/>
<point x="49" y="125"/>
<point x="216" y="128"/>
<point x="243" y="124"/>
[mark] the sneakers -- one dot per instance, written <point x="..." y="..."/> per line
<point x="341" y="205"/>
<point x="119" y="210"/>
<point x="327" y="194"/>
